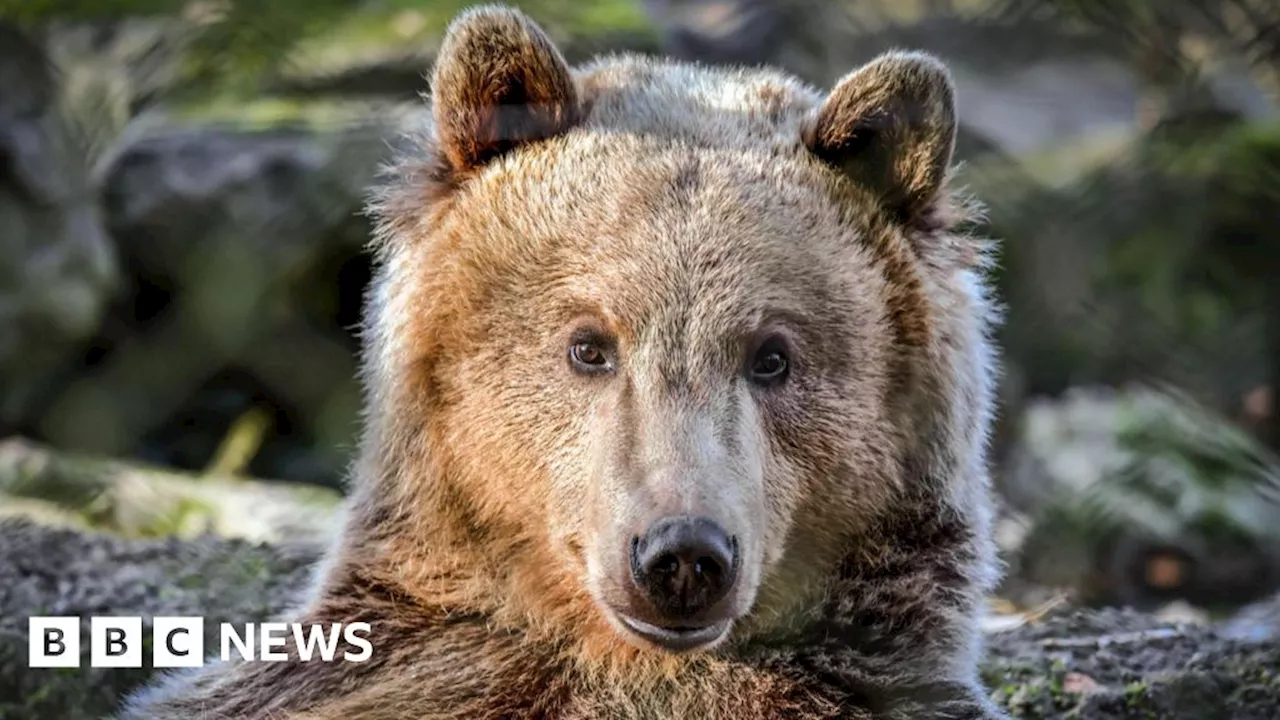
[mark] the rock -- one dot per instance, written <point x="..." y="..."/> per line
<point x="1089" y="665"/>
<point x="171" y="182"/>
<point x="1257" y="622"/>
<point x="235" y="238"/>
<point x="57" y="265"/>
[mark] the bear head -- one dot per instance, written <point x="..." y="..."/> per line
<point x="652" y="345"/>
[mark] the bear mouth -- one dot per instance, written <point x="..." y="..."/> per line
<point x="677" y="638"/>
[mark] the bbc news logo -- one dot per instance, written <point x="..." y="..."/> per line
<point x="178" y="642"/>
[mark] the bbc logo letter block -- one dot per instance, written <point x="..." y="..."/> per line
<point x="53" y="642"/>
<point x="115" y="642"/>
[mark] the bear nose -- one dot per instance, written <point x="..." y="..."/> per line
<point x="684" y="564"/>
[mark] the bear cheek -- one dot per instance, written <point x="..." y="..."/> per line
<point x="568" y="520"/>
<point x="599" y="501"/>
<point x="771" y="490"/>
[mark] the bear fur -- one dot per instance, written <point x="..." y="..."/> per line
<point x="675" y="221"/>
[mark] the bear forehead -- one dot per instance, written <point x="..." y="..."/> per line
<point x="677" y="157"/>
<point x="684" y="249"/>
<point x="685" y="192"/>
<point x="728" y="108"/>
<point x="643" y="224"/>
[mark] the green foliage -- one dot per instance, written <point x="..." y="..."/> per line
<point x="1153" y="32"/>
<point x="247" y="43"/>
<point x="238" y="48"/>
<point x="31" y="12"/>
<point x="1173" y="239"/>
<point x="1196" y="242"/>
<point x="1172" y="474"/>
<point x="1190" y="465"/>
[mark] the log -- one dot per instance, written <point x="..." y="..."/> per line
<point x="134" y="499"/>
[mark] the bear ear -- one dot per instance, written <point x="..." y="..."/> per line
<point x="891" y="126"/>
<point x="498" y="82"/>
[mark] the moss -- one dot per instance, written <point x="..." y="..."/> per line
<point x="185" y="518"/>
<point x="266" y="113"/>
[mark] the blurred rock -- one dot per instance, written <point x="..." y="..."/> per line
<point x="1181" y="613"/>
<point x="1258" y="622"/>
<point x="244" y="251"/>
<point x="57" y="266"/>
<point x="169" y="184"/>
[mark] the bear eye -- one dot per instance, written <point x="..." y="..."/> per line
<point x="590" y="356"/>
<point x="770" y="366"/>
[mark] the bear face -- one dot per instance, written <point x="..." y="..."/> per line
<point x="655" y="339"/>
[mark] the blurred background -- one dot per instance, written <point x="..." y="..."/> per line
<point x="182" y="265"/>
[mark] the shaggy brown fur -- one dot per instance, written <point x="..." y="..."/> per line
<point x="673" y="218"/>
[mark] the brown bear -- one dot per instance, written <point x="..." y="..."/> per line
<point x="678" y="390"/>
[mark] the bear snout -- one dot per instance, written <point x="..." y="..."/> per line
<point x="683" y="565"/>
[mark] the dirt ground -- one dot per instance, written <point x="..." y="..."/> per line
<point x="1073" y="664"/>
<point x="1123" y="664"/>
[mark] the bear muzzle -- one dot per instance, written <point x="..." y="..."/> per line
<point x="682" y="568"/>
